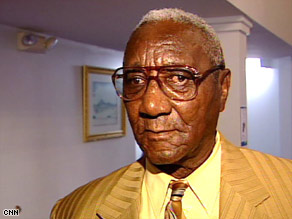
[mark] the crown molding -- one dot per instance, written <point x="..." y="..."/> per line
<point x="230" y="24"/>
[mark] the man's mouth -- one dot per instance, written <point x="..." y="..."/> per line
<point x="159" y="135"/>
<point x="158" y="130"/>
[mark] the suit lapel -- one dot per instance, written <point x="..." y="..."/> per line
<point x="123" y="201"/>
<point x="241" y="192"/>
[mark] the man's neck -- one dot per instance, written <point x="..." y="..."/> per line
<point x="189" y="165"/>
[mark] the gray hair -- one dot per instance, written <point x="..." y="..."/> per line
<point x="211" y="43"/>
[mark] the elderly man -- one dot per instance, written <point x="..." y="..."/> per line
<point x="174" y="85"/>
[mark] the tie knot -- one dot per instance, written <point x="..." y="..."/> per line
<point x="178" y="189"/>
<point x="179" y="184"/>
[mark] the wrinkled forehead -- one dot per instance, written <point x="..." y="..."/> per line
<point x="165" y="40"/>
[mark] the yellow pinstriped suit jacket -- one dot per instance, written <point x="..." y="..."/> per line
<point x="253" y="185"/>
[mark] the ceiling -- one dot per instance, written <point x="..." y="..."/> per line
<point x="108" y="23"/>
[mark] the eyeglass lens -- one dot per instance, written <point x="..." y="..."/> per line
<point x="176" y="82"/>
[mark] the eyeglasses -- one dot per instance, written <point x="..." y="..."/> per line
<point x="178" y="82"/>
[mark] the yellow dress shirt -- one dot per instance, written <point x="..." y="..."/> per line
<point x="200" y="201"/>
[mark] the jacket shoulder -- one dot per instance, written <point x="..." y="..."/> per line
<point x="257" y="158"/>
<point x="87" y="196"/>
<point x="264" y="160"/>
<point x="274" y="174"/>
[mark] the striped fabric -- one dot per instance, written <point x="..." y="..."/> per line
<point x="253" y="185"/>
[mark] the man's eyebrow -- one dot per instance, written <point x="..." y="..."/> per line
<point x="173" y="63"/>
<point x="136" y="64"/>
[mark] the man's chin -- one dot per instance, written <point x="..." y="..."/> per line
<point x="163" y="158"/>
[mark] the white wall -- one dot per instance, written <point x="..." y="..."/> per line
<point x="269" y="97"/>
<point x="284" y="66"/>
<point x="42" y="156"/>
<point x="263" y="108"/>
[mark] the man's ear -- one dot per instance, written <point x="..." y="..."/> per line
<point x="225" y="80"/>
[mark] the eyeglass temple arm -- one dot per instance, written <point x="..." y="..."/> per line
<point x="209" y="71"/>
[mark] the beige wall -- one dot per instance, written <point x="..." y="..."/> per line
<point x="274" y="15"/>
<point x="42" y="156"/>
<point x="233" y="31"/>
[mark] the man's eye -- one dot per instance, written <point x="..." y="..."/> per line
<point x="133" y="79"/>
<point x="136" y="80"/>
<point x="178" y="78"/>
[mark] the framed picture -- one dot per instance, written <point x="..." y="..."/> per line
<point x="103" y="111"/>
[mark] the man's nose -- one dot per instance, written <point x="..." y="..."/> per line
<point x="154" y="102"/>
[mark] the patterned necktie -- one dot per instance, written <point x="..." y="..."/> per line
<point x="174" y="207"/>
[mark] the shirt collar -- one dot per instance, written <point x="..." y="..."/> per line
<point x="157" y="182"/>
<point x="205" y="181"/>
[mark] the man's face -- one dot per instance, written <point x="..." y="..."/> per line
<point x="171" y="131"/>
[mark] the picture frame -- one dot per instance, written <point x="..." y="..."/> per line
<point x="104" y="114"/>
